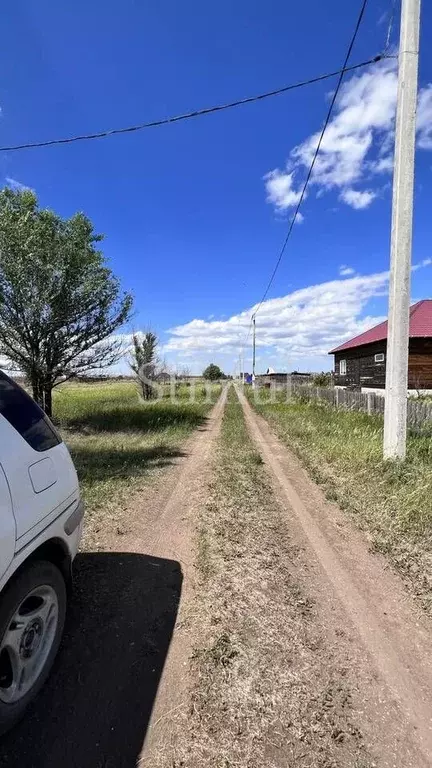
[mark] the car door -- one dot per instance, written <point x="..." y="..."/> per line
<point x="39" y="470"/>
<point x="7" y="525"/>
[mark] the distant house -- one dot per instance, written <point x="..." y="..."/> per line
<point x="273" y="378"/>
<point x="361" y="362"/>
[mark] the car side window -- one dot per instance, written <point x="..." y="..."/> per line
<point x="18" y="408"/>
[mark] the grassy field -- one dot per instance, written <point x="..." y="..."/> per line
<point x="392" y="503"/>
<point x="118" y="442"/>
<point x="260" y="693"/>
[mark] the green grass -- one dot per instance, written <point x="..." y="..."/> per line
<point x="118" y="442"/>
<point x="391" y="502"/>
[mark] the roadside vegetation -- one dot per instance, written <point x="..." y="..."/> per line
<point x="119" y="443"/>
<point x="392" y="503"/>
<point x="260" y="692"/>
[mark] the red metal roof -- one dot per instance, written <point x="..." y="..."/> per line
<point x="420" y="326"/>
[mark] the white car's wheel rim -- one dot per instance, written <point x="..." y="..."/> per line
<point x="27" y="643"/>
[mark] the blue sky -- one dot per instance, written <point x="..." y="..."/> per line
<point x="192" y="225"/>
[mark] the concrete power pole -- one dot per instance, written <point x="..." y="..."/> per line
<point x="401" y="236"/>
<point x="254" y="346"/>
<point x="241" y="367"/>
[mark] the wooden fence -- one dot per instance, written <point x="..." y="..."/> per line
<point x="419" y="411"/>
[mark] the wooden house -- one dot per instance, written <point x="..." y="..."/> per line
<point x="361" y="362"/>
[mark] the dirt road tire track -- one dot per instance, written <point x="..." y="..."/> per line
<point x="173" y="538"/>
<point x="388" y="642"/>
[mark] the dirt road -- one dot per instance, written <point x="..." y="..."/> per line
<point x="369" y="620"/>
<point x="310" y="651"/>
<point x="122" y="668"/>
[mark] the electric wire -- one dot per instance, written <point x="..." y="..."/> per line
<point x="188" y="115"/>
<point x="312" y="165"/>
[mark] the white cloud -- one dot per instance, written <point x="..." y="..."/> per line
<point x="383" y="164"/>
<point x="16" y="185"/>
<point x="280" y="190"/>
<point x="421" y="264"/>
<point x="424" y="118"/>
<point x="301" y="326"/>
<point x="357" y="199"/>
<point x="345" y="271"/>
<point x="358" y="142"/>
<point x="306" y="322"/>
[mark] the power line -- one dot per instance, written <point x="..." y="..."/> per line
<point x="312" y="165"/>
<point x="318" y="147"/>
<point x="189" y="115"/>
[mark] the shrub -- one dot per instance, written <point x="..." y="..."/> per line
<point x="322" y="379"/>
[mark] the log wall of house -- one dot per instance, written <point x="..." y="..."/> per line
<point x="420" y="364"/>
<point x="363" y="371"/>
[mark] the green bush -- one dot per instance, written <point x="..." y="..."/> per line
<point x="322" y="379"/>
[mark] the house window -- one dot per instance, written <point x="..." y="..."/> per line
<point x="380" y="357"/>
<point x="342" y="368"/>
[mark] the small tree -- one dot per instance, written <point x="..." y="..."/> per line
<point x="322" y="379"/>
<point x="144" y="362"/>
<point x="183" y="372"/>
<point x="213" y="373"/>
<point x="59" y="303"/>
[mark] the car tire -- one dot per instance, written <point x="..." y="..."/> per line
<point x="32" y="616"/>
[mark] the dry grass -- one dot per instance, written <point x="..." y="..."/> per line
<point x="119" y="443"/>
<point x="391" y="502"/>
<point x="265" y="689"/>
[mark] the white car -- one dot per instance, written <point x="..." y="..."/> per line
<point x="41" y="516"/>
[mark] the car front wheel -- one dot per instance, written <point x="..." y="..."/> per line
<point x="32" y="616"/>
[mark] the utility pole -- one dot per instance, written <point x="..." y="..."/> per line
<point x="401" y="236"/>
<point x="253" y="356"/>
<point x="241" y="368"/>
